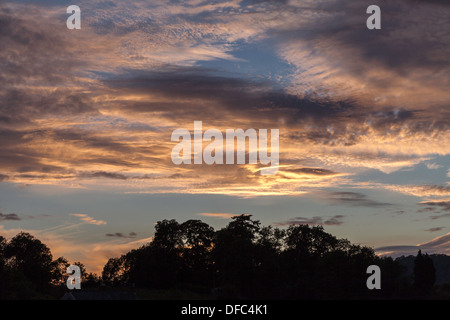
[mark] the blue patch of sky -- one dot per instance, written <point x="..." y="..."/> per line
<point x="255" y="60"/>
<point x="419" y="174"/>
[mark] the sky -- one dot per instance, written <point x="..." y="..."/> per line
<point x="87" y="115"/>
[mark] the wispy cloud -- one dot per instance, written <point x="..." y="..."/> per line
<point x="447" y="215"/>
<point x="433" y="166"/>
<point x="220" y="215"/>
<point x="347" y="198"/>
<point x="327" y="221"/>
<point x="85" y="218"/>
<point x="122" y="235"/>
<point x="9" y="217"/>
<point x="442" y="204"/>
<point x="419" y="190"/>
<point x="435" y="229"/>
<point x="439" y="244"/>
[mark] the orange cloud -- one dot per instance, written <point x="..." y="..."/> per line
<point x="88" y="219"/>
<point x="218" y="215"/>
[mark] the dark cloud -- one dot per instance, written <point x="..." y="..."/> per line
<point x="447" y="215"/>
<point x="103" y="174"/>
<point x="121" y="235"/>
<point x="426" y="209"/>
<point x="312" y="171"/>
<point x="185" y="92"/>
<point x="3" y="177"/>
<point x="9" y="217"/>
<point x="352" y="199"/>
<point x="34" y="55"/>
<point x="435" y="229"/>
<point x="343" y="22"/>
<point x="182" y="85"/>
<point x="21" y="105"/>
<point x="333" y="221"/>
<point x="32" y="49"/>
<point x="436" y="205"/>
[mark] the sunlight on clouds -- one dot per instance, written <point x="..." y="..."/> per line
<point x="219" y="215"/>
<point x="88" y="219"/>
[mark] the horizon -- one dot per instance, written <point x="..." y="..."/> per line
<point x="87" y="116"/>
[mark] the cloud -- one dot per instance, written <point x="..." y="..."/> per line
<point x="220" y="215"/>
<point x="103" y="174"/>
<point x="438" y="245"/>
<point x="88" y="219"/>
<point x="418" y="190"/>
<point x="96" y="109"/>
<point x="330" y="221"/>
<point x="447" y="215"/>
<point x="310" y="171"/>
<point x="435" y="229"/>
<point x="433" y="166"/>
<point x="121" y="235"/>
<point x="9" y="217"/>
<point x="353" y="199"/>
<point x="332" y="48"/>
<point x="443" y="204"/>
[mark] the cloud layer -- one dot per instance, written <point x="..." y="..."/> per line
<point x="82" y="109"/>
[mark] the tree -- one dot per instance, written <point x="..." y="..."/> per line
<point x="83" y="271"/>
<point x="114" y="271"/>
<point x="310" y="241"/>
<point x="3" y="270"/>
<point x="234" y="253"/>
<point x="267" y="270"/>
<point x="59" y="271"/>
<point x="424" y="274"/>
<point x="167" y="234"/>
<point x="197" y="238"/>
<point x="30" y="257"/>
<point x="196" y="234"/>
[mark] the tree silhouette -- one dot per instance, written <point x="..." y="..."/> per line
<point x="32" y="258"/>
<point x="114" y="271"/>
<point x="59" y="270"/>
<point x="234" y="254"/>
<point x="247" y="260"/>
<point x="167" y="235"/>
<point x="3" y="270"/>
<point x="424" y="274"/>
<point x="197" y="238"/>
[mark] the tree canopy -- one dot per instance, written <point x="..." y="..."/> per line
<point x="247" y="260"/>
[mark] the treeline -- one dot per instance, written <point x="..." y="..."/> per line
<point x="243" y="260"/>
